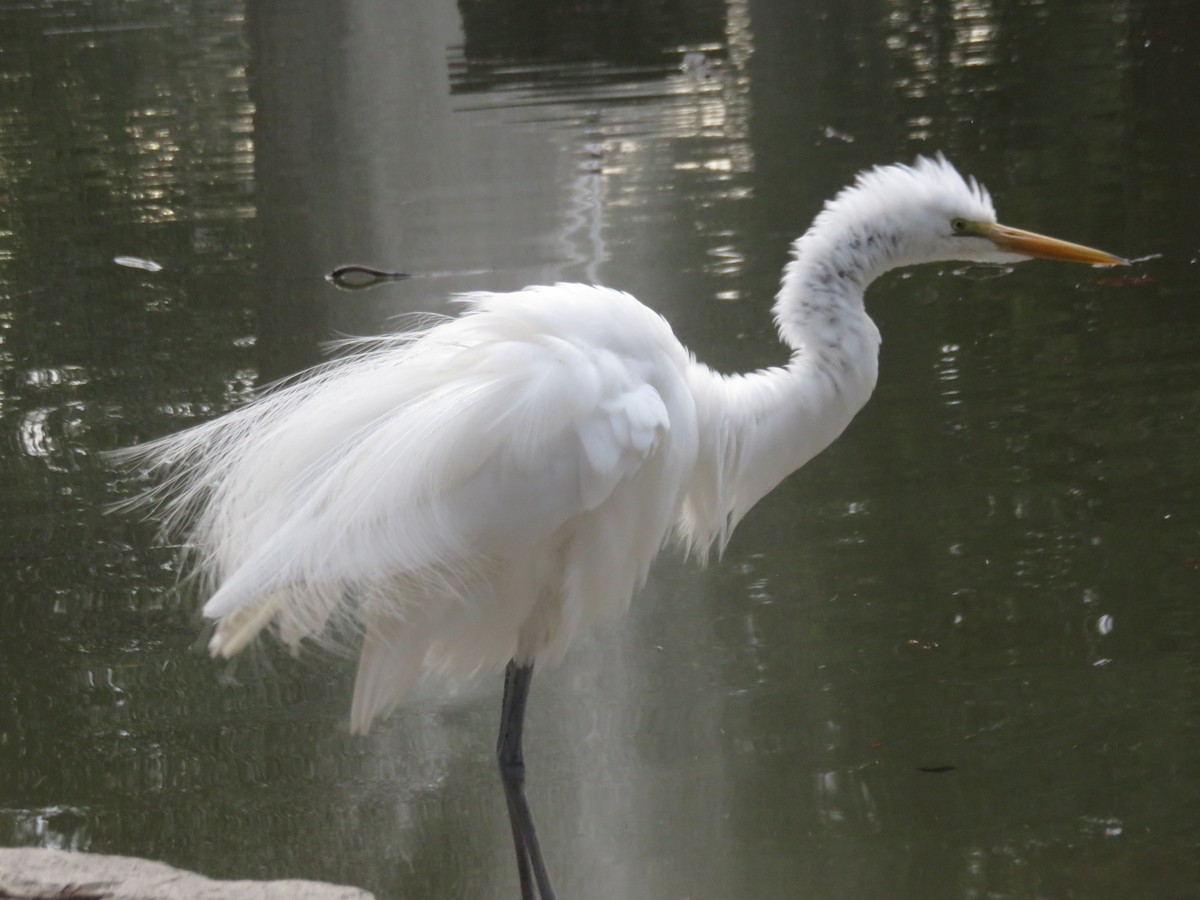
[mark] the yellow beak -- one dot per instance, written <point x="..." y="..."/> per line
<point x="1027" y="243"/>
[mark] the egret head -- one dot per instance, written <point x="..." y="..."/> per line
<point x="928" y="212"/>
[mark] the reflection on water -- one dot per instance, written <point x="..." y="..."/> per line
<point x="684" y="106"/>
<point x="954" y="657"/>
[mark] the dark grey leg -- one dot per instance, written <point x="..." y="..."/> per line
<point x="530" y="866"/>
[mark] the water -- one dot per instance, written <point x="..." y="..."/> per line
<point x="955" y="657"/>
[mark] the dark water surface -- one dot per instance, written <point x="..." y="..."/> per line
<point x="957" y="656"/>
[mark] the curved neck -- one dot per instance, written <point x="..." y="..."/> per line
<point x="831" y="266"/>
<point x="757" y="428"/>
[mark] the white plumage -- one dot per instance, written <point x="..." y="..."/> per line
<point x="480" y="492"/>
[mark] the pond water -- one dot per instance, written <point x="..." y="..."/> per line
<point x="956" y="656"/>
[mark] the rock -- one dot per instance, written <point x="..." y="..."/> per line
<point x="28" y="873"/>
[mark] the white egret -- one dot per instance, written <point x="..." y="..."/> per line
<point x="474" y="495"/>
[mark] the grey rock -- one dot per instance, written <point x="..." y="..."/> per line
<point x="55" y="874"/>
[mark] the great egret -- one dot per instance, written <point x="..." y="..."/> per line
<point x="472" y="496"/>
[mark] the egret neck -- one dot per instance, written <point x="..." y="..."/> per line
<point x="759" y="427"/>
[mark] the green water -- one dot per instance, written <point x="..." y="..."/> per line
<point x="957" y="656"/>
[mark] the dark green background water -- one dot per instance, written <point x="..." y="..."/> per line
<point x="957" y="656"/>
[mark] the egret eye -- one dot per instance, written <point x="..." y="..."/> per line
<point x="959" y="226"/>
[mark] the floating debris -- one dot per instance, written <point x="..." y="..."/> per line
<point x="918" y="644"/>
<point x="355" y="278"/>
<point x="136" y="262"/>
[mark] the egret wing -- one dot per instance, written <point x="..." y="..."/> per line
<point x="506" y="444"/>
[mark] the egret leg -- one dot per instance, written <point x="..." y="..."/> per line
<point x="530" y="866"/>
